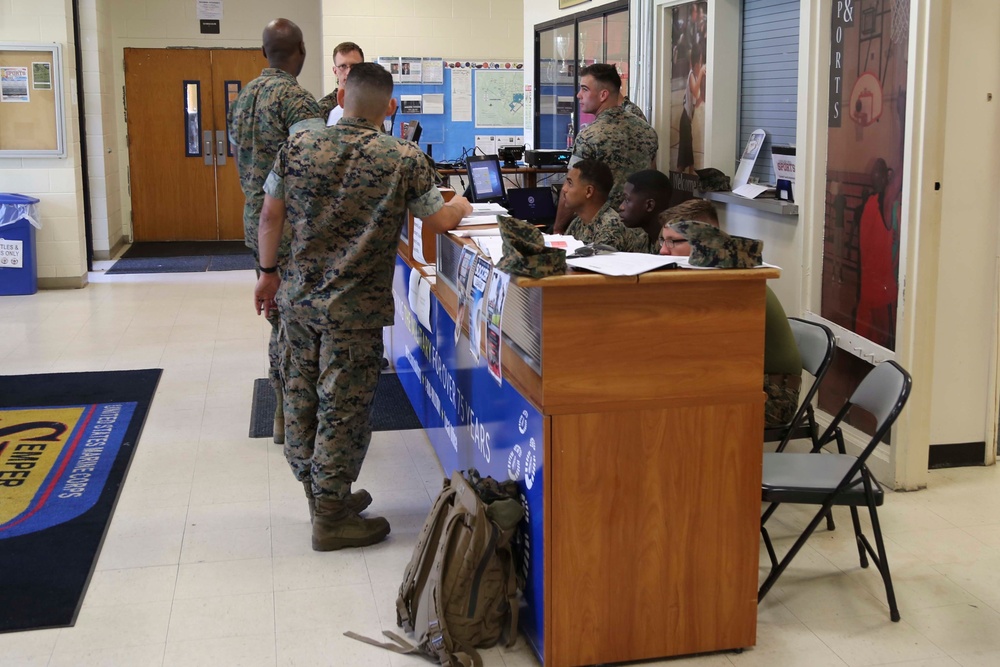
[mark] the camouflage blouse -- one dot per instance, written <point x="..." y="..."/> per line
<point x="607" y="228"/>
<point x="266" y="111"/>
<point x="346" y="190"/>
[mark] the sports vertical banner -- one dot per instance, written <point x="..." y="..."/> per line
<point x="864" y="178"/>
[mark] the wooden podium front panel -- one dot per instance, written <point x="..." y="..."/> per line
<point x="652" y="532"/>
<point x="685" y="339"/>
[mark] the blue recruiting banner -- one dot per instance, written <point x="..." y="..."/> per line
<point x="473" y="423"/>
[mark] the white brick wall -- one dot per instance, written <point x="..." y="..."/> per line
<point x="451" y="29"/>
<point x="55" y="181"/>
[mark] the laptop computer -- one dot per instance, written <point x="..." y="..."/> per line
<point x="534" y="205"/>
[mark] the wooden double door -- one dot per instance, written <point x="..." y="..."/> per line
<point x="182" y="169"/>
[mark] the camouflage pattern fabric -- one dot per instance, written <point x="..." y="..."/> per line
<point x="326" y="104"/>
<point x="621" y="140"/>
<point x="633" y="109"/>
<point x="330" y="380"/>
<point x="711" y="179"/>
<point x="260" y="120"/>
<point x="782" y="390"/>
<point x="524" y="251"/>
<point x="346" y="189"/>
<point x="607" y="228"/>
<point x="710" y="246"/>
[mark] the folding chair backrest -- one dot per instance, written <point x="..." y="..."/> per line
<point x="815" y="343"/>
<point x="883" y="393"/>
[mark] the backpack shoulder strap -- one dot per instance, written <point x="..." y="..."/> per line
<point x="423" y="554"/>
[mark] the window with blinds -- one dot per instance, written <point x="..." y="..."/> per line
<point x="769" y="77"/>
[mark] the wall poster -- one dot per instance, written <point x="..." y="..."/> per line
<point x="688" y="78"/>
<point x="864" y="178"/>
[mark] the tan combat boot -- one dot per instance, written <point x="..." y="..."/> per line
<point x="335" y="526"/>
<point x="357" y="502"/>
<point x="279" y="418"/>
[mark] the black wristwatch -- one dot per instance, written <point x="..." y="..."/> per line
<point x="267" y="269"/>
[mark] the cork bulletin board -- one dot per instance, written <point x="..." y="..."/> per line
<point x="31" y="94"/>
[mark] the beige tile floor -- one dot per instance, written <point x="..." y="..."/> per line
<point x="207" y="560"/>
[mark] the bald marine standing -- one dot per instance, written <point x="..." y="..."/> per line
<point x="267" y="110"/>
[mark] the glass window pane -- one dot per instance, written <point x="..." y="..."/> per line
<point x="616" y="48"/>
<point x="192" y="118"/>
<point x="556" y="86"/>
<point x="591" y="51"/>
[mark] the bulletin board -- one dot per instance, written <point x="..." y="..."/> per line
<point x="447" y="137"/>
<point x="31" y="112"/>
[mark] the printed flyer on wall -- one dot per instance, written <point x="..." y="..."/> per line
<point x="464" y="266"/>
<point x="480" y="279"/>
<point x="499" y="283"/>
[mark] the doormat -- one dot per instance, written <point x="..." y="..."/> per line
<point x="195" y="264"/>
<point x="66" y="442"/>
<point x="391" y="409"/>
<point x="185" y="249"/>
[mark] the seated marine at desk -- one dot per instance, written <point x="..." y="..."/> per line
<point x="647" y="194"/>
<point x="782" y="362"/>
<point x="670" y="242"/>
<point x="585" y="195"/>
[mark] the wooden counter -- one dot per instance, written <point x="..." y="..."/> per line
<point x="651" y="393"/>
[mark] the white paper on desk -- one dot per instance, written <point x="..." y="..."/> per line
<point x="687" y="265"/>
<point x="563" y="241"/>
<point x="417" y="242"/>
<point x="479" y="221"/>
<point x="750" y="190"/>
<point x="488" y="208"/>
<point x="475" y="231"/>
<point x="492" y="246"/>
<point x="622" y="263"/>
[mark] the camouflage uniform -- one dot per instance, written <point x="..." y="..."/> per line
<point x="633" y="108"/>
<point x="326" y="104"/>
<point x="607" y="228"/>
<point x="260" y="120"/>
<point x="782" y="365"/>
<point x="346" y="189"/>
<point x="621" y="140"/>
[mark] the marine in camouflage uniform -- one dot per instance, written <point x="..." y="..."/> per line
<point x="265" y="112"/>
<point x="633" y="108"/>
<point x="607" y="228"/>
<point x="327" y="103"/>
<point x="344" y="191"/>
<point x="621" y="140"/>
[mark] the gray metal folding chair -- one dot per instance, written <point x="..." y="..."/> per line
<point x="816" y="347"/>
<point x="838" y="479"/>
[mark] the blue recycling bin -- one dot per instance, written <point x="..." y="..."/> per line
<point x="18" y="256"/>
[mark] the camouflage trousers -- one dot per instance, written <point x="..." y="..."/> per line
<point x="782" y="391"/>
<point x="330" y="379"/>
<point x="274" y="344"/>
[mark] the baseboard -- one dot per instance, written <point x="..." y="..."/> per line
<point x="77" y="282"/>
<point x="105" y="255"/>
<point x="956" y="455"/>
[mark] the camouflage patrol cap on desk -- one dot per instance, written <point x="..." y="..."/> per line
<point x="713" y="180"/>
<point x="524" y="251"/>
<point x="710" y="246"/>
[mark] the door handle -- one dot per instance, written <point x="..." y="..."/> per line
<point x="220" y="147"/>
<point x="207" y="147"/>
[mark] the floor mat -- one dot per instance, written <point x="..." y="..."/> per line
<point x="391" y="410"/>
<point x="67" y="440"/>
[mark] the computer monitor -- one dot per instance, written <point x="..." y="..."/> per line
<point x="532" y="204"/>
<point x="412" y="131"/>
<point x="485" y="180"/>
